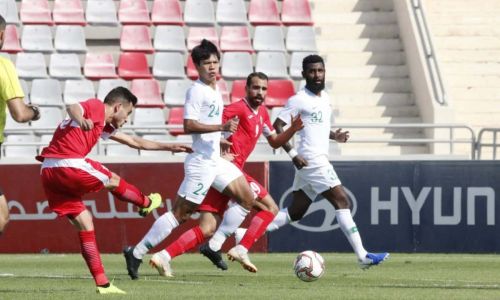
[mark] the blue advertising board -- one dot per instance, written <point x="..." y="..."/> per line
<point x="402" y="206"/>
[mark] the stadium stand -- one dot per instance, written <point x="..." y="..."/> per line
<point x="37" y="38"/>
<point x="236" y="64"/>
<point x="12" y="150"/>
<point x="133" y="65"/>
<point x="296" y="64"/>
<point x="134" y="12"/>
<point x="301" y="38"/>
<point x="70" y="38"/>
<point x="36" y="12"/>
<point x="199" y="12"/>
<point x="65" y="66"/>
<point x="231" y="12"/>
<point x="273" y="64"/>
<point x="175" y="117"/>
<point x="136" y="38"/>
<point x="8" y="9"/>
<point x="101" y="12"/>
<point x="99" y="65"/>
<point x="175" y="91"/>
<point x="196" y="34"/>
<point x="11" y="40"/>
<point x="268" y="38"/>
<point x="167" y="12"/>
<point x="148" y="92"/>
<point x="78" y="90"/>
<point x="278" y="92"/>
<point x="69" y="12"/>
<point x="264" y="12"/>
<point x="170" y="38"/>
<point x="235" y="38"/>
<point x="168" y="65"/>
<point x="106" y="85"/>
<point x="46" y="92"/>
<point x="296" y="12"/>
<point x="31" y="65"/>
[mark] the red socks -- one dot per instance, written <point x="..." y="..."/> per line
<point x="92" y="257"/>
<point x="188" y="240"/>
<point x="129" y="193"/>
<point x="256" y="228"/>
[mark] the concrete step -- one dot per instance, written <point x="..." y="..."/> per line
<point x="468" y="43"/>
<point x="472" y="69"/>
<point x="342" y="59"/>
<point x="454" y="19"/>
<point x="374" y="99"/>
<point x="359" y="45"/>
<point x="468" y="81"/>
<point x="352" y="5"/>
<point x="468" y="56"/>
<point x="348" y="31"/>
<point x="392" y="85"/>
<point x="375" y="112"/>
<point x="475" y="93"/>
<point x="382" y="149"/>
<point x="398" y="133"/>
<point x="326" y="17"/>
<point x="465" y="30"/>
<point x="378" y="71"/>
<point x="379" y="120"/>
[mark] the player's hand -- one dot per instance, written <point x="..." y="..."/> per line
<point x="180" y="148"/>
<point x="231" y="125"/>
<point x="341" y="137"/>
<point x="86" y="124"/>
<point x="225" y="146"/>
<point x="299" y="162"/>
<point x="297" y="123"/>
<point x="228" y="156"/>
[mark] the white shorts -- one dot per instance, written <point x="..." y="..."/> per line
<point x="314" y="181"/>
<point x="201" y="173"/>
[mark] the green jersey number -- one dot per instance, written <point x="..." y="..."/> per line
<point x="317" y="117"/>
<point x="199" y="190"/>
<point x="214" y="111"/>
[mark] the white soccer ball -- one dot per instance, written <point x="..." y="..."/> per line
<point x="309" y="266"/>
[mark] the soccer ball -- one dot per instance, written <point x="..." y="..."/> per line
<point x="309" y="266"/>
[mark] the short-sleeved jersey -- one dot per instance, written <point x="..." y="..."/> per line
<point x="204" y="104"/>
<point x="252" y="124"/>
<point x="70" y="141"/>
<point x="10" y="88"/>
<point x="314" y="138"/>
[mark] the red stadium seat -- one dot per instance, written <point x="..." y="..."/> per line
<point x="133" y="65"/>
<point x="263" y="12"/>
<point x="238" y="90"/>
<point x="11" y="42"/>
<point x="148" y="92"/>
<point x="296" y="12"/>
<point x="196" y="34"/>
<point x="134" y="12"/>
<point x="278" y="92"/>
<point x="136" y="38"/>
<point x="36" y="12"/>
<point x="167" y="12"/>
<point x="69" y="12"/>
<point x="176" y="117"/>
<point x="235" y="38"/>
<point x="222" y="85"/>
<point x="99" y="65"/>
<point x="191" y="71"/>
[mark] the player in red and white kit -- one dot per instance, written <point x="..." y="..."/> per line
<point x="67" y="175"/>
<point x="253" y="121"/>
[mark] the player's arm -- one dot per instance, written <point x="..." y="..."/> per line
<point x="298" y="160"/>
<point x="339" y="136"/>
<point x="21" y="112"/>
<point x="194" y="126"/>
<point x="75" y="112"/>
<point x="279" y="140"/>
<point x="143" y="144"/>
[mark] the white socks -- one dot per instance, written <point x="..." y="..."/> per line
<point x="156" y="234"/>
<point x="280" y="220"/>
<point x="344" y="218"/>
<point x="233" y="217"/>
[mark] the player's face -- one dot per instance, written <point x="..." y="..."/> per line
<point x="208" y="69"/>
<point x="314" y="74"/>
<point x="121" y="113"/>
<point x="256" y="92"/>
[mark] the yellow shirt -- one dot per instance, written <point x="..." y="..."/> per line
<point x="10" y="88"/>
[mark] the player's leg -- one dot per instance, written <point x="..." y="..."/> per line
<point x="4" y="212"/>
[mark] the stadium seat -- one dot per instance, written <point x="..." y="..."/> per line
<point x="148" y="118"/>
<point x="11" y="124"/>
<point x="69" y="12"/>
<point x="65" y="66"/>
<point x="106" y="85"/>
<point x="301" y="38"/>
<point x="36" y="12"/>
<point x="222" y="85"/>
<point x="168" y="65"/>
<point x="101" y="12"/>
<point x="170" y="38"/>
<point x="296" y="12"/>
<point x="175" y="91"/>
<point x="238" y="90"/>
<point x="268" y="38"/>
<point x="296" y="64"/>
<point x="78" y="90"/>
<point x="136" y="38"/>
<point x="13" y="150"/>
<point x="11" y="41"/>
<point x="148" y="92"/>
<point x="278" y="92"/>
<point x="46" y="92"/>
<point x="133" y="65"/>
<point x="273" y="64"/>
<point x="6" y="56"/>
<point x="167" y="12"/>
<point x="26" y="90"/>
<point x="70" y="38"/>
<point x="176" y="117"/>
<point x="117" y="149"/>
<point x="237" y="64"/>
<point x="99" y="65"/>
<point x="199" y="12"/>
<point x="31" y="65"/>
<point x="196" y="34"/>
<point x="134" y="12"/>
<point x="263" y="12"/>
<point x="8" y="10"/>
<point x="162" y="138"/>
<point x="37" y="38"/>
<point x="235" y="38"/>
<point x="231" y="12"/>
<point x="50" y="117"/>
<point x="191" y="71"/>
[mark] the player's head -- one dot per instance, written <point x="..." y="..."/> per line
<point x="313" y="71"/>
<point x="206" y="58"/>
<point x="3" y="25"/>
<point x="121" y="102"/>
<point x="256" y="88"/>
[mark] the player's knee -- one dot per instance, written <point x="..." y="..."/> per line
<point x="342" y="201"/>
<point x="3" y="223"/>
<point x="114" y="181"/>
<point x="208" y="230"/>
<point x="272" y="207"/>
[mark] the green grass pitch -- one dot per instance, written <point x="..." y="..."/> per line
<point x="403" y="276"/>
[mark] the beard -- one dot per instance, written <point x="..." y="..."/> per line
<point x="315" y="87"/>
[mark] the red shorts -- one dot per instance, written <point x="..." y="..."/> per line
<point x="216" y="202"/>
<point x="65" y="181"/>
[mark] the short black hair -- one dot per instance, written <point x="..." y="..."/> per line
<point x="3" y="23"/>
<point x="311" y="59"/>
<point x="260" y="75"/>
<point x="203" y="51"/>
<point x="120" y="94"/>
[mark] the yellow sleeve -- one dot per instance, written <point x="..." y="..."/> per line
<point x="10" y="87"/>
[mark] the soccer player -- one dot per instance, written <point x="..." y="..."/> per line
<point x="314" y="174"/>
<point x="67" y="175"/>
<point x="204" y="168"/>
<point x="11" y="96"/>
<point x="254" y="121"/>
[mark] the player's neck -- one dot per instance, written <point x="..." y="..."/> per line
<point x="210" y="83"/>
<point x="313" y="91"/>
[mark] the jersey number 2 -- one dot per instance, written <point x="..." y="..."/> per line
<point x="214" y="111"/>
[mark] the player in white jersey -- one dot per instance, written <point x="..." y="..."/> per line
<point x="204" y="168"/>
<point x="315" y="175"/>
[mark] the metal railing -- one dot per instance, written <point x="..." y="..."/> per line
<point x="494" y="144"/>
<point x="430" y="53"/>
